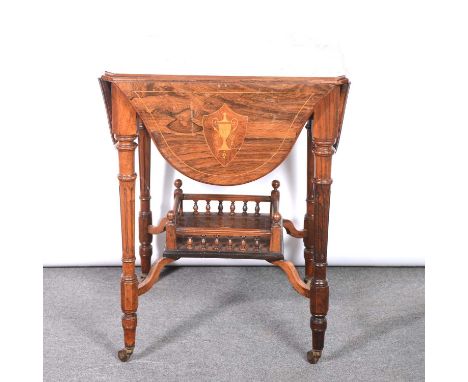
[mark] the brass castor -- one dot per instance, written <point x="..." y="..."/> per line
<point x="313" y="356"/>
<point x="124" y="354"/>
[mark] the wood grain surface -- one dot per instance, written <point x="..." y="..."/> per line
<point x="224" y="130"/>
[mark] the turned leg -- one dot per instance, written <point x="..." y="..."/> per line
<point x="128" y="282"/>
<point x="324" y="137"/>
<point x="319" y="284"/>
<point x="145" y="217"/>
<point x="125" y="129"/>
<point x="309" y="216"/>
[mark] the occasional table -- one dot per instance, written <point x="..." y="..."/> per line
<point x="224" y="131"/>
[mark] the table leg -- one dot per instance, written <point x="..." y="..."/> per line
<point x="309" y="216"/>
<point x="128" y="282"/>
<point x="145" y="217"/>
<point x="324" y="136"/>
<point x="319" y="284"/>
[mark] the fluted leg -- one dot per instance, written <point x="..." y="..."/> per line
<point x="325" y="132"/>
<point x="309" y="216"/>
<point x="128" y="282"/>
<point x="145" y="217"/>
<point x="319" y="286"/>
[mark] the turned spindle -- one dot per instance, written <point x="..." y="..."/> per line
<point x="229" y="245"/>
<point x="189" y="243"/>
<point x="195" y="207"/>
<point x="257" y="209"/>
<point x="275" y="194"/>
<point x="244" y="208"/>
<point x="233" y="208"/>
<point x="216" y="243"/>
<point x="203" y="242"/>
<point x="257" y="245"/>
<point x="243" y="246"/>
<point x="178" y="191"/>
<point x="220" y="207"/>
<point x="208" y="208"/>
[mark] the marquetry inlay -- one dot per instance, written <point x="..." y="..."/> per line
<point x="224" y="132"/>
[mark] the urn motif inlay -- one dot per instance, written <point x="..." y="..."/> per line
<point x="224" y="132"/>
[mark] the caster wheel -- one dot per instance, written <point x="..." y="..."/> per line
<point x="313" y="356"/>
<point x="124" y="354"/>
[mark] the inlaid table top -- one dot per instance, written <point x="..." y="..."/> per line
<point x="223" y="130"/>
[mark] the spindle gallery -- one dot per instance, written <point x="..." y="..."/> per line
<point x="224" y="131"/>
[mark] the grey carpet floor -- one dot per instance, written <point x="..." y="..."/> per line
<point x="234" y="324"/>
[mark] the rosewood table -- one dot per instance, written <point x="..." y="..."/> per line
<point x="224" y="131"/>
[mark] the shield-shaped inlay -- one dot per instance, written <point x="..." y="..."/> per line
<point x="224" y="132"/>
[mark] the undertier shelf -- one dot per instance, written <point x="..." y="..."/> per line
<point x="239" y="236"/>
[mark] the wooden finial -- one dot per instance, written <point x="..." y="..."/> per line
<point x="275" y="184"/>
<point x="178" y="183"/>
